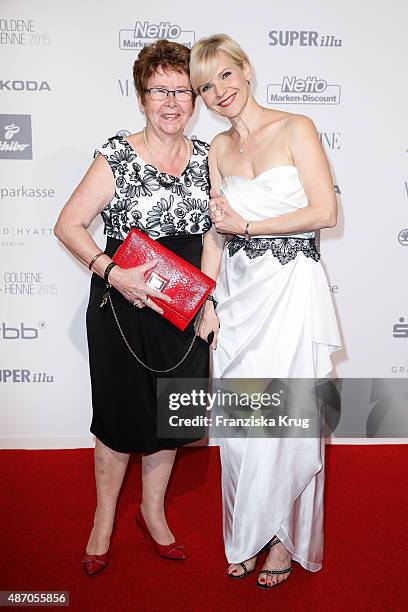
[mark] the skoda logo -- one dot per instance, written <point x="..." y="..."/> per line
<point x="403" y="237"/>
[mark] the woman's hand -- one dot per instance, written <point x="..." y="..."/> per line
<point x="209" y="323"/>
<point x="131" y="284"/>
<point x="225" y="218"/>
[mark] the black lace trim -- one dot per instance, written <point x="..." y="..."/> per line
<point x="285" y="249"/>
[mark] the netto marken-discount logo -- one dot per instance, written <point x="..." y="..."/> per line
<point x="310" y="90"/>
<point x="144" y="33"/>
<point x="302" y="38"/>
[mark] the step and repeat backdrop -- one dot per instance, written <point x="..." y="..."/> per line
<point x="66" y="86"/>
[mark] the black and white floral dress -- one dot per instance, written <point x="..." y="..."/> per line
<point x="174" y="211"/>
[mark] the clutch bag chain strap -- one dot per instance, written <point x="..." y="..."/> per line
<point x="190" y="348"/>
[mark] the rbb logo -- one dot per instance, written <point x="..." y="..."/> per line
<point x="23" y="332"/>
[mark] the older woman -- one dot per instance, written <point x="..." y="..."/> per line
<point x="156" y="181"/>
<point x="274" y="305"/>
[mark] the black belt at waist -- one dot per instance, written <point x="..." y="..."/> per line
<point x="283" y="248"/>
<point x="184" y="245"/>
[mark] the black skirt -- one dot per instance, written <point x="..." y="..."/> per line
<point x="124" y="392"/>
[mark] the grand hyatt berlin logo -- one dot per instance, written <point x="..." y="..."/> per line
<point x="400" y="329"/>
<point x="24" y="85"/>
<point x="145" y="33"/>
<point x="16" y="140"/>
<point x="302" y="38"/>
<point x="311" y="90"/>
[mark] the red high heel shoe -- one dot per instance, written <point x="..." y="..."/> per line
<point x="169" y="551"/>
<point x="95" y="563"/>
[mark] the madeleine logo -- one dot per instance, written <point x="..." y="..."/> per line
<point x="15" y="137"/>
<point x="144" y="33"/>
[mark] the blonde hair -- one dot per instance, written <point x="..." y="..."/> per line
<point x="203" y="57"/>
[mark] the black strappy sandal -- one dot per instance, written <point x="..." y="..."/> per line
<point x="245" y="573"/>
<point x="261" y="585"/>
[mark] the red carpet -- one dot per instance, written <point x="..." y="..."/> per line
<point x="47" y="510"/>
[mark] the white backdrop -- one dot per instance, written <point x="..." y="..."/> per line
<point x="66" y="86"/>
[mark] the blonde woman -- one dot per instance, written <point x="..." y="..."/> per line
<point x="271" y="190"/>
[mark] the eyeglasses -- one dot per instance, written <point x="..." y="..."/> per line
<point x="160" y="93"/>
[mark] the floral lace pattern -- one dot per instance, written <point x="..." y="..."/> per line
<point x="154" y="202"/>
<point x="284" y="249"/>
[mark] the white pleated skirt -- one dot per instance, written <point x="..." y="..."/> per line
<point x="276" y="321"/>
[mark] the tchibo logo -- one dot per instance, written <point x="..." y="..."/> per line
<point x="24" y="86"/>
<point x="15" y="137"/>
<point x="310" y="90"/>
<point x="145" y="33"/>
<point x="302" y="38"/>
<point x="20" y="331"/>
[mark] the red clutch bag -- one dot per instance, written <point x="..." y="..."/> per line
<point x="185" y="284"/>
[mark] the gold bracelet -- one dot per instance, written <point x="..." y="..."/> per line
<point x="95" y="258"/>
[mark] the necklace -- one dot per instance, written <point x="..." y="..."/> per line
<point x="186" y="143"/>
<point x="242" y="144"/>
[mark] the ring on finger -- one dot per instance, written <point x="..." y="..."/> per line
<point x="146" y="299"/>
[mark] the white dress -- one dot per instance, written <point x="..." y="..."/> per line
<point x="276" y="320"/>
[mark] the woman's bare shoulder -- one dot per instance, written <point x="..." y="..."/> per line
<point x="285" y="120"/>
<point x="218" y="144"/>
